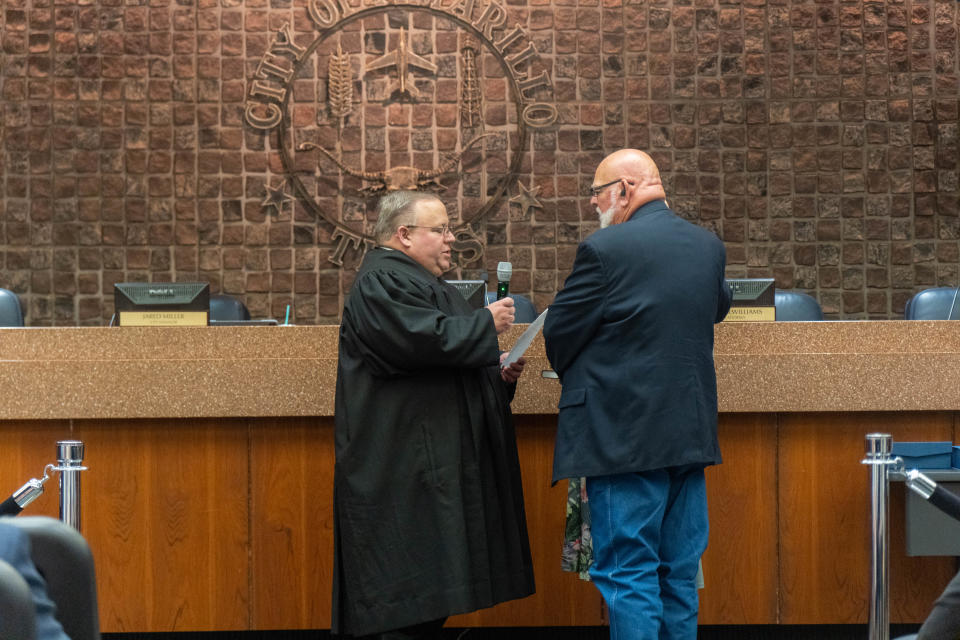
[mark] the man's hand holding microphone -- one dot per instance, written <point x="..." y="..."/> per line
<point x="503" y="314"/>
<point x="502" y="309"/>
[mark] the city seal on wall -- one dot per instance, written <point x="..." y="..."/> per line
<point x="431" y="95"/>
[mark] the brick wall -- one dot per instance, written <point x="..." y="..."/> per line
<point x="818" y="139"/>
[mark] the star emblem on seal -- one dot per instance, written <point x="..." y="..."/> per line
<point x="276" y="197"/>
<point x="527" y="198"/>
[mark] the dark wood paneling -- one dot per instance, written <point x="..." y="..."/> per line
<point x="740" y="564"/>
<point x="204" y="524"/>
<point x="825" y="520"/>
<point x="26" y="447"/>
<point x="164" y="508"/>
<point x="291" y="519"/>
<point x="166" y="516"/>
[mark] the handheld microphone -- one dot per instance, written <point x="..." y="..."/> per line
<point x="504" y="271"/>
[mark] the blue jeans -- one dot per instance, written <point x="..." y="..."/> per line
<point x="649" y="531"/>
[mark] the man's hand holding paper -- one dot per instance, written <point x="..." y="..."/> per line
<point x="512" y="371"/>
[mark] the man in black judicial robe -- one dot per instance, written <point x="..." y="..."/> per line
<point x="428" y="506"/>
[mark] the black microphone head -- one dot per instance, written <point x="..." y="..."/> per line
<point x="504" y="271"/>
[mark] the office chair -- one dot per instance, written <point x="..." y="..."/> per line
<point x="11" y="313"/>
<point x="16" y="606"/>
<point x="933" y="304"/>
<point x="63" y="558"/>
<point x="794" y="306"/>
<point x="224" y="307"/>
<point x="524" y="310"/>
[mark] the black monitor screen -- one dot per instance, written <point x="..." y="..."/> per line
<point x="475" y="291"/>
<point x="161" y="304"/>
<point x="749" y="292"/>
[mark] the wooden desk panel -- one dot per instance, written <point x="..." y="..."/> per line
<point x="166" y="514"/>
<point x="740" y="565"/>
<point x="26" y="447"/>
<point x="824" y="515"/>
<point x="291" y="521"/>
<point x="164" y="508"/>
<point x="189" y="535"/>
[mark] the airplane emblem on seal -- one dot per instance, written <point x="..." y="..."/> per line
<point x="403" y="59"/>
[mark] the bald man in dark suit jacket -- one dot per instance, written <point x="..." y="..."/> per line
<point x="631" y="337"/>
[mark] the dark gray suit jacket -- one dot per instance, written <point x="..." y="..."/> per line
<point x="943" y="623"/>
<point x="15" y="550"/>
<point x="631" y="337"/>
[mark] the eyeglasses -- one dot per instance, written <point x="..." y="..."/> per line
<point x="442" y="230"/>
<point x="595" y="191"/>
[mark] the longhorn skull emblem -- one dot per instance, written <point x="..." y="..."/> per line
<point x="397" y="178"/>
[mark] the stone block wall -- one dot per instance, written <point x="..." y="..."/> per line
<point x="819" y="139"/>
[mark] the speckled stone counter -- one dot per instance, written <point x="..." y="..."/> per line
<point x="812" y="366"/>
<point x="167" y="372"/>
<point x="291" y="371"/>
<point x="838" y="366"/>
<point x="217" y="443"/>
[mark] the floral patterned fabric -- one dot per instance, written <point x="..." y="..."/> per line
<point x="577" y="542"/>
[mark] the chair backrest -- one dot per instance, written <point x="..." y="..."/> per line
<point x="524" y="310"/>
<point x="11" y="313"/>
<point x="224" y="307"/>
<point x="933" y="304"/>
<point x="796" y="306"/>
<point x="17" y="619"/>
<point x="63" y="558"/>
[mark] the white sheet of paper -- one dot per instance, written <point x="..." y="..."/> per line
<point x="523" y="342"/>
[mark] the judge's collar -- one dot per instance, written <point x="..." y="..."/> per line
<point x="412" y="261"/>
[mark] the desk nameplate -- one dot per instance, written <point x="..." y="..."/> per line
<point x="162" y="318"/>
<point x="751" y="314"/>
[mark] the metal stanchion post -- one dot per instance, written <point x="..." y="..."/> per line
<point x="879" y="458"/>
<point x="70" y="461"/>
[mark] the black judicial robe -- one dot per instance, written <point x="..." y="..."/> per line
<point x="428" y="506"/>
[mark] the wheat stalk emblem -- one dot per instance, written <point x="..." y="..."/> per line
<point x="339" y="85"/>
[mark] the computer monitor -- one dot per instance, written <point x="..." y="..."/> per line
<point x="753" y="300"/>
<point x="752" y="292"/>
<point x="161" y="304"/>
<point x="474" y="291"/>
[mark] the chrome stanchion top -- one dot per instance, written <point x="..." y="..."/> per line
<point x="70" y="461"/>
<point x="70" y="453"/>
<point x="879" y="447"/>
